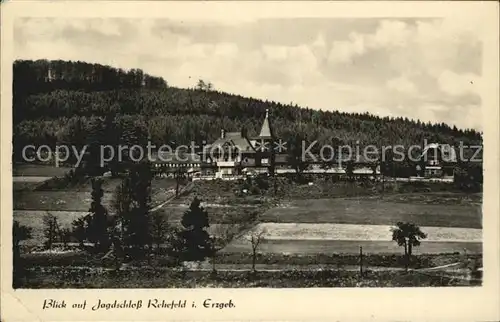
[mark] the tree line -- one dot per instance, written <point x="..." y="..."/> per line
<point x="51" y="111"/>
<point x="41" y="76"/>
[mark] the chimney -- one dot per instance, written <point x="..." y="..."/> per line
<point x="222" y="134"/>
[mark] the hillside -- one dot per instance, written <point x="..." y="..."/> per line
<point x="57" y="101"/>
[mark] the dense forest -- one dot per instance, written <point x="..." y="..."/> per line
<point x="78" y="103"/>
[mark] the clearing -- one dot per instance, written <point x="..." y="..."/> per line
<point x="364" y="211"/>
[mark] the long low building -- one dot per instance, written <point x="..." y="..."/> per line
<point x="236" y="154"/>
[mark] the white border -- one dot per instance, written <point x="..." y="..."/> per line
<point x="454" y="304"/>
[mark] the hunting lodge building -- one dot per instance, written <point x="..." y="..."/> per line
<point x="235" y="154"/>
<point x="232" y="154"/>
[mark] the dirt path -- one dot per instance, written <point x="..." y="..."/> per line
<point x="187" y="187"/>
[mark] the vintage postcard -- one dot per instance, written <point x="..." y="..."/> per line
<point x="251" y="161"/>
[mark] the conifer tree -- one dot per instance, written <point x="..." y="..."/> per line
<point x="132" y="203"/>
<point x="196" y="242"/>
<point x="95" y="139"/>
<point x="51" y="229"/>
<point x="97" y="228"/>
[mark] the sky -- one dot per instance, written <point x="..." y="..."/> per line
<point x="427" y="69"/>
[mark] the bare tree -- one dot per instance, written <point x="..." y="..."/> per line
<point x="255" y="239"/>
<point x="221" y="235"/>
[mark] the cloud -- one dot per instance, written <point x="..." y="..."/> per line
<point x="402" y="84"/>
<point x="226" y="50"/>
<point x="421" y="63"/>
<point x="391" y="33"/>
<point x="275" y="53"/>
<point x="416" y="68"/>
<point x="343" y="51"/>
<point x="458" y="84"/>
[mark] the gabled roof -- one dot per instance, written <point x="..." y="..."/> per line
<point x="447" y="151"/>
<point x="235" y="140"/>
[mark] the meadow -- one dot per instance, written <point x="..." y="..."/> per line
<point x="318" y="246"/>
<point x="343" y="225"/>
<point x="78" y="197"/>
<point x="305" y="229"/>
<point x="38" y="170"/>
<point x="374" y="211"/>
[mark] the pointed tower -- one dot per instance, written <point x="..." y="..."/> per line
<point x="264" y="144"/>
<point x="265" y="131"/>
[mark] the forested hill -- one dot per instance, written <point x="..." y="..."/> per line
<point x="58" y="101"/>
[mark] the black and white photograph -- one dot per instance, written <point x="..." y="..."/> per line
<point x="269" y="153"/>
<point x="273" y="152"/>
<point x="292" y="151"/>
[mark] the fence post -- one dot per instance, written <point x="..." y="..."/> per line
<point x="361" y="261"/>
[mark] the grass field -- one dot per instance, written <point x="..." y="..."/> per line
<point x="32" y="179"/>
<point x="56" y="200"/>
<point x="309" y="247"/>
<point x="453" y="221"/>
<point x="78" y="198"/>
<point x="38" y="170"/>
<point x="365" y="211"/>
<point x="433" y="198"/>
<point x="26" y="185"/>
<point x="342" y="225"/>
<point x="347" y="238"/>
<point x="30" y="176"/>
<point x="226" y="215"/>
<point x="301" y="231"/>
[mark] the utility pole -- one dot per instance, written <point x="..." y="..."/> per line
<point x="361" y="261"/>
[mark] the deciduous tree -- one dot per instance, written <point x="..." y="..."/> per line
<point x="407" y="235"/>
<point x="255" y="240"/>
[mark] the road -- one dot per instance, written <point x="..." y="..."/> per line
<point x="181" y="190"/>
